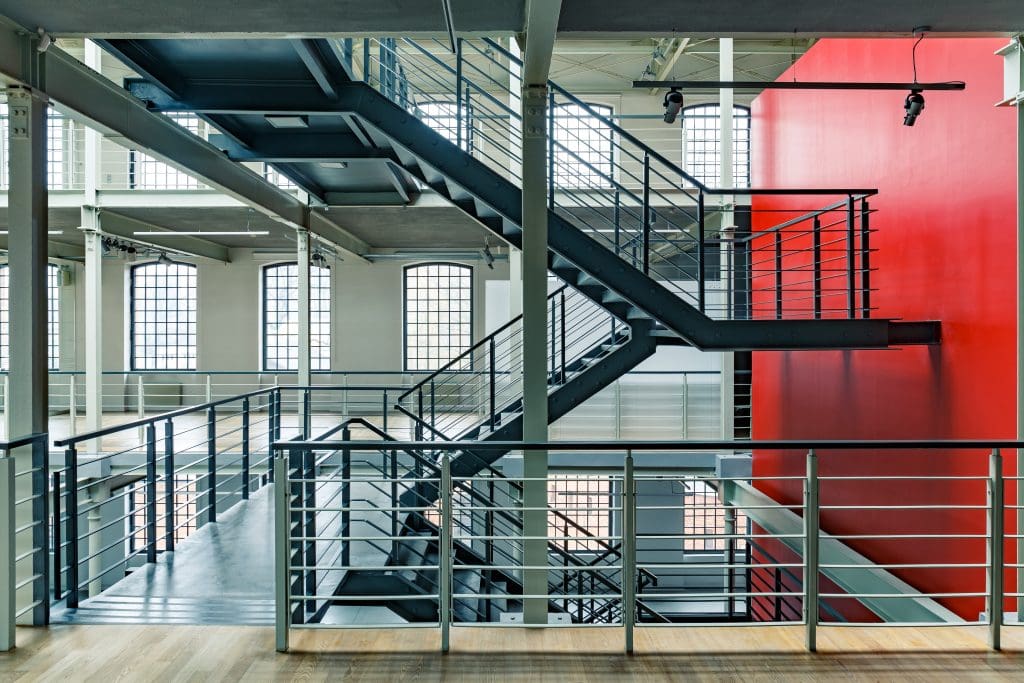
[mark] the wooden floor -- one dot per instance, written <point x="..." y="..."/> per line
<point x="231" y="653"/>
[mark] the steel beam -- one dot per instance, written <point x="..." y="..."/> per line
<point x="285" y="147"/>
<point x="315" y="54"/>
<point x="91" y="98"/>
<point x="125" y="227"/>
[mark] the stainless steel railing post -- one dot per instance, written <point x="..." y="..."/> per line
<point x="994" y="608"/>
<point x="281" y="551"/>
<point x="628" y="551"/>
<point x="811" y="559"/>
<point x="445" y="553"/>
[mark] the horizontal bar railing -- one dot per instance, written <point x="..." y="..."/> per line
<point x="776" y="561"/>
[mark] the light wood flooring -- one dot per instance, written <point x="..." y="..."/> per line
<point x="231" y="653"/>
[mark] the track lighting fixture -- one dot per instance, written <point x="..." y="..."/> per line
<point x="673" y="105"/>
<point x="164" y="260"/>
<point x="487" y="256"/>
<point x="913" y="106"/>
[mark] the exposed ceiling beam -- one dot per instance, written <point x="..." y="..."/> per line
<point x="91" y="98"/>
<point x="666" y="68"/>
<point x="314" y="55"/>
<point x="125" y="227"/>
<point x="541" y="28"/>
<point x="71" y="252"/>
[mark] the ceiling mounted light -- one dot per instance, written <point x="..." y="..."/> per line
<point x="334" y="164"/>
<point x="487" y="256"/>
<point x="673" y="105"/>
<point x="287" y="120"/>
<point x="164" y="260"/>
<point x="200" y="233"/>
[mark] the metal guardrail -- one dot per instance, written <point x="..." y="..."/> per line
<point x="826" y="591"/>
<point x="24" y="578"/>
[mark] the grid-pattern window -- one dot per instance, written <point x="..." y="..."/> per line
<point x="586" y="500"/>
<point x="186" y="509"/>
<point x="146" y="173"/>
<point x="61" y="137"/>
<point x="275" y="177"/>
<point x="443" y="118"/>
<point x="281" y="317"/>
<point x="704" y="516"/>
<point x="163" y="322"/>
<point x="583" y="147"/>
<point x="438" y="314"/>
<point x="702" y="144"/>
<point x="52" y="317"/>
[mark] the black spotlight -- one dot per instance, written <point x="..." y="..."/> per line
<point x="673" y="105"/>
<point x="913" y="105"/>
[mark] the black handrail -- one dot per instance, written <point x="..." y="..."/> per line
<point x="23" y="441"/>
<point x="163" y="417"/>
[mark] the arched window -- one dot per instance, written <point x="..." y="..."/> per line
<point x="281" y="317"/>
<point x="163" y="316"/>
<point x="702" y="144"/>
<point x="583" y="146"/>
<point x="52" y="317"/>
<point x="443" y="117"/>
<point x="438" y="314"/>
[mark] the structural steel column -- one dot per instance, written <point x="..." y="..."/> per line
<point x="725" y="179"/>
<point x="27" y="404"/>
<point x="303" y="379"/>
<point x="93" y="324"/>
<point x="535" y="381"/>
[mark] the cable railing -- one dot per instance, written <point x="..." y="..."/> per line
<point x="832" y="539"/>
<point x="481" y="387"/>
<point x="729" y="262"/>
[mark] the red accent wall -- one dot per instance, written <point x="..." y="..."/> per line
<point x="946" y="246"/>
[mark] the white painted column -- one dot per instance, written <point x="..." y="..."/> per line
<point x="304" y="376"/>
<point x="535" y="332"/>
<point x="27" y="403"/>
<point x="93" y="325"/>
<point x="725" y="179"/>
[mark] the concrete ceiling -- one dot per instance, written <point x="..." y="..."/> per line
<point x="579" y="17"/>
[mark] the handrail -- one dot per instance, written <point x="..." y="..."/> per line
<point x="71" y="440"/>
<point x="23" y="441"/>
<point x="731" y="446"/>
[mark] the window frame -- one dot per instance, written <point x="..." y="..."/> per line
<point x="603" y="110"/>
<point x="132" y="322"/>
<point x="53" y="340"/>
<point x="264" y="347"/>
<point x="405" y="313"/>
<point x="740" y="112"/>
<point x="449" y="133"/>
<point x="184" y="182"/>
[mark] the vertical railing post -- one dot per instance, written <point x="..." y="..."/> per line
<point x="71" y="486"/>
<point x="628" y="551"/>
<point x="8" y="595"/>
<point x="647" y="214"/>
<point x="996" y="540"/>
<point x="865" y="259"/>
<point x="383" y="410"/>
<point x="444" y="589"/>
<point x="811" y="522"/>
<point x="57" y="539"/>
<point x="851" y="260"/>
<point x="271" y="401"/>
<point x="459" y="138"/>
<point x="307" y="418"/>
<point x="170" y="485"/>
<point x="282" y="598"/>
<point x="551" y="149"/>
<point x="41" y="532"/>
<point x="211" y="462"/>
<point x="419" y="406"/>
<point x="433" y="408"/>
<point x="778" y="275"/>
<point x="618" y="221"/>
<point x="561" y="325"/>
<point x="278" y="409"/>
<point x="816" y="246"/>
<point x="701" y="219"/>
<point x="346" y="499"/>
<point x="245" y="449"/>
<point x="492" y="400"/>
<point x="309" y="525"/>
<point x="151" y="492"/>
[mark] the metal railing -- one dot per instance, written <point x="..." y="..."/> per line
<point x="911" y="546"/>
<point x="730" y="262"/>
<point x="24" y="539"/>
